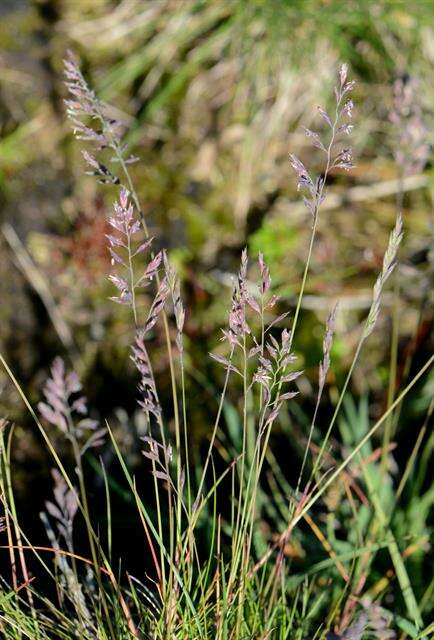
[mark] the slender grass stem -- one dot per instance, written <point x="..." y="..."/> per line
<point x="332" y="477"/>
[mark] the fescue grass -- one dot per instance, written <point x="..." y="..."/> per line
<point x="223" y="534"/>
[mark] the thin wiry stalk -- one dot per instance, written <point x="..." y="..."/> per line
<point x="393" y="368"/>
<point x="60" y="465"/>
<point x="108" y="510"/>
<point x="84" y="101"/>
<point x="413" y="455"/>
<point x="374" y="311"/>
<point x="14" y="518"/>
<point x="362" y="442"/>
<point x="342" y="160"/>
<point x="324" y="367"/>
<point x="156" y="535"/>
<point x="3" y="498"/>
<point x="213" y="435"/>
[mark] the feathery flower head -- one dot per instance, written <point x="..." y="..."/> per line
<point x="66" y="408"/>
<point x="335" y="158"/>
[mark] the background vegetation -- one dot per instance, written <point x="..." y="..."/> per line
<point x="214" y="96"/>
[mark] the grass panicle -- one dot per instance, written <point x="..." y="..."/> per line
<point x="228" y="537"/>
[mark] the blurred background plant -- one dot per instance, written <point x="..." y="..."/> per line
<point x="213" y="97"/>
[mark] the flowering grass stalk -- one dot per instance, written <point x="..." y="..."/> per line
<point x="340" y="158"/>
<point x="223" y="538"/>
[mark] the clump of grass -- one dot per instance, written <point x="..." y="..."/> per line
<point x="242" y="583"/>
